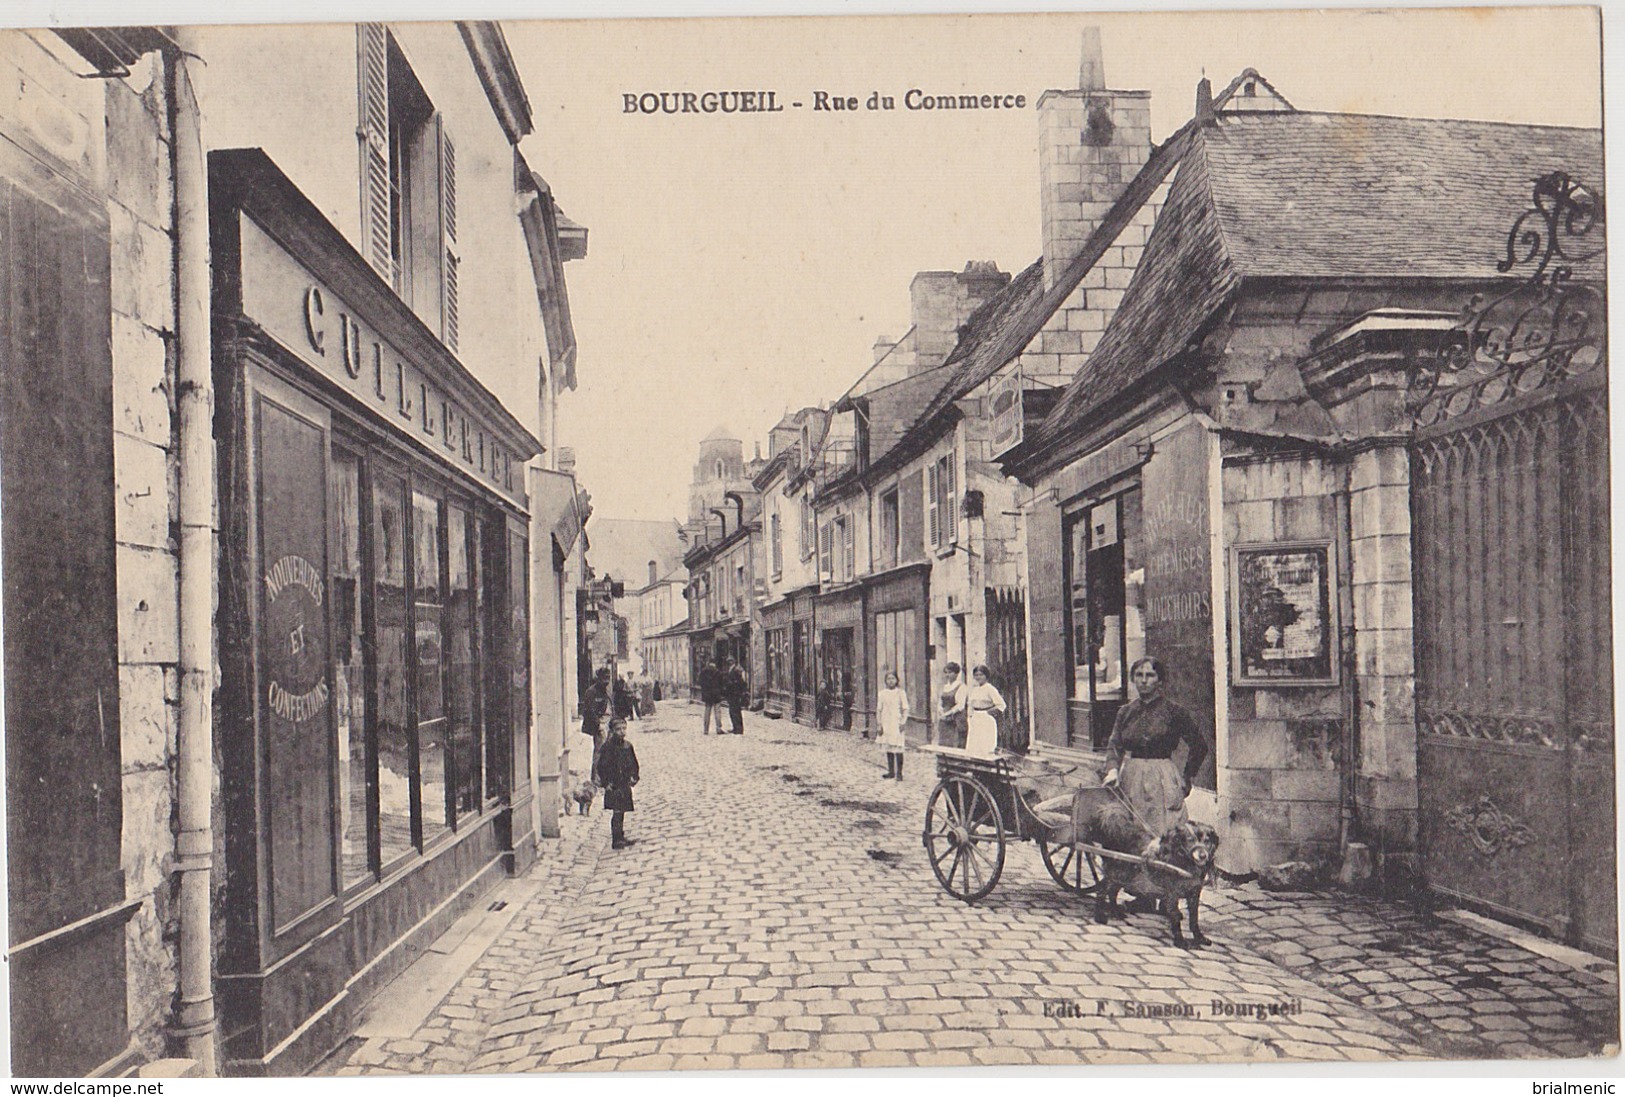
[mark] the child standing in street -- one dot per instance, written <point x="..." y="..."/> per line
<point x="616" y="773"/>
<point x="891" y="709"/>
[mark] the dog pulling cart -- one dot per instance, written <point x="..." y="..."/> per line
<point x="978" y="808"/>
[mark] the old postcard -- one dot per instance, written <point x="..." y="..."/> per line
<point x="918" y="541"/>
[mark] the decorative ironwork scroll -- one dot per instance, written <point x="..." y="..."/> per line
<point x="1488" y="827"/>
<point x="1548" y="328"/>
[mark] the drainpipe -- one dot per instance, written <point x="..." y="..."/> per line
<point x="1351" y="842"/>
<point x="194" y="398"/>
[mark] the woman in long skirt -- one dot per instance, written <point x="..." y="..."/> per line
<point x="1141" y="751"/>
<point x="982" y="727"/>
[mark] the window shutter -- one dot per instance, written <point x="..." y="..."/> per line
<point x="448" y="235"/>
<point x="933" y="499"/>
<point x="950" y="504"/>
<point x="848" y="554"/>
<point x="825" y="540"/>
<point x="373" y="132"/>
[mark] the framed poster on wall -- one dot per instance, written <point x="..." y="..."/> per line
<point x="1284" y="614"/>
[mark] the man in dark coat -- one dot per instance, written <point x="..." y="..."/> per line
<point x="625" y="707"/>
<point x="616" y="772"/>
<point x="737" y="692"/>
<point x="595" y="709"/>
<point x="711" y="696"/>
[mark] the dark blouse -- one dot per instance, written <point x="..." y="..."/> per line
<point x="1152" y="729"/>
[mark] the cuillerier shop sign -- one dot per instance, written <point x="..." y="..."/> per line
<point x="314" y="322"/>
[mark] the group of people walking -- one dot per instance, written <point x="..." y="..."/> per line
<point x="722" y="682"/>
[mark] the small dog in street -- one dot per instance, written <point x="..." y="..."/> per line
<point x="1103" y="819"/>
<point x="582" y="795"/>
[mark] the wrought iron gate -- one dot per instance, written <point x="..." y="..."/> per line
<point x="1007" y="661"/>
<point x="1514" y="661"/>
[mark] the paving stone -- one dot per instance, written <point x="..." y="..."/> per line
<point x="789" y="1041"/>
<point x="749" y="929"/>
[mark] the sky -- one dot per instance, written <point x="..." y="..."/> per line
<point x="743" y="265"/>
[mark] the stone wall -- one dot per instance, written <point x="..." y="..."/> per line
<point x="145" y="451"/>
<point x="1280" y="758"/>
<point x="109" y="138"/>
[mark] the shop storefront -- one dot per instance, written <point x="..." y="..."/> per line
<point x="777" y="687"/>
<point x="895" y="610"/>
<point x="1136" y="568"/>
<point x="842" y="698"/>
<point x="373" y="728"/>
<point x="731" y="643"/>
<point x="803" y="657"/>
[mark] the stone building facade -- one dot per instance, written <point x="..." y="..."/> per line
<point x="89" y="822"/>
<point x="251" y="310"/>
<point x="786" y="566"/>
<point x="1230" y="484"/>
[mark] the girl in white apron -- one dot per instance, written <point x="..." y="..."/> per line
<point x="982" y="727"/>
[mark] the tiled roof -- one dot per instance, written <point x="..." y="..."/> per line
<point x="1320" y="196"/>
<point x="895" y="408"/>
<point x="1183" y="278"/>
<point x="1003" y="326"/>
<point x="1361" y="196"/>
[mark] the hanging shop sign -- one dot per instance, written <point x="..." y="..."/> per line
<point x="1005" y="411"/>
<point x="1284" y="614"/>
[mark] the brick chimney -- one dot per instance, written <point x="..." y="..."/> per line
<point x="941" y="301"/>
<point x="934" y="307"/>
<point x="1092" y="142"/>
<point x="567" y="459"/>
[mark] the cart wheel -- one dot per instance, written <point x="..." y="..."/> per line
<point x="964" y="838"/>
<point x="1067" y="866"/>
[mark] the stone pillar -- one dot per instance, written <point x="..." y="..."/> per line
<point x="1359" y="374"/>
<point x="1385" y="667"/>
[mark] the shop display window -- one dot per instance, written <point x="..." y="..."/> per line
<point x="415" y="740"/>
<point x="394" y="729"/>
<point x="428" y="645"/>
<point x="462" y="662"/>
<point x="350" y="668"/>
<point x="897" y="651"/>
<point x="1105" y="569"/>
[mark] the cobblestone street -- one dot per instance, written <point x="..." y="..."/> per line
<point x="778" y="911"/>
